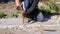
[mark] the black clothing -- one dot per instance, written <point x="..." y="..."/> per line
<point x="32" y="9"/>
<point x="33" y="14"/>
<point x="32" y="5"/>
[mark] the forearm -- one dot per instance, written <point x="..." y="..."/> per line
<point x="17" y="2"/>
<point x="33" y="6"/>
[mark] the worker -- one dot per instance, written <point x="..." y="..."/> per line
<point x="30" y="9"/>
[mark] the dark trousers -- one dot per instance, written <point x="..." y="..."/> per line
<point x="33" y="14"/>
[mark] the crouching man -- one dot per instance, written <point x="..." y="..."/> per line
<point x="30" y="9"/>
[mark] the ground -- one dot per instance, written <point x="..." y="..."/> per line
<point x="16" y="25"/>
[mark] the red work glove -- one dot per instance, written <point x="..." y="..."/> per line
<point x="24" y="14"/>
<point x="18" y="7"/>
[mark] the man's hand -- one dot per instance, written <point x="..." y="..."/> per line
<point x="24" y="14"/>
<point x="18" y="7"/>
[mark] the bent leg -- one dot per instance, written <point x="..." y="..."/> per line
<point x="25" y="4"/>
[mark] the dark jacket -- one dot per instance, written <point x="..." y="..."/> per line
<point x="32" y="5"/>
